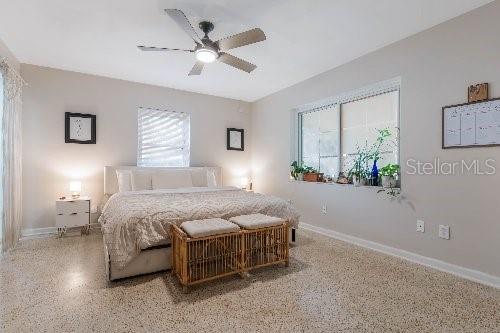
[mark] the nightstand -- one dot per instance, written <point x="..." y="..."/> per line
<point x="73" y="213"/>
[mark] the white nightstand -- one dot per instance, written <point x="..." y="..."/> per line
<point x="73" y="213"/>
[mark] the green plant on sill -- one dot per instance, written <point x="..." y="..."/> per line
<point x="308" y="169"/>
<point x="374" y="151"/>
<point x="359" y="164"/>
<point x="298" y="169"/>
<point x="390" y="170"/>
<point x="367" y="154"/>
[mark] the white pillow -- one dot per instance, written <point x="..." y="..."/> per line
<point x="124" y="180"/>
<point x="211" y="180"/>
<point x="166" y="179"/>
<point x="141" y="180"/>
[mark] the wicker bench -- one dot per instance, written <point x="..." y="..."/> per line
<point x="204" y="250"/>
<point x="265" y="240"/>
<point x="211" y="250"/>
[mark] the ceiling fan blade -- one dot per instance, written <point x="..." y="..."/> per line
<point x="196" y="70"/>
<point x="244" y="38"/>
<point x="152" y="48"/>
<point x="236" y="62"/>
<point x="182" y="21"/>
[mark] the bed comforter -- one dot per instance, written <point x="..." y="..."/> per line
<point x="133" y="221"/>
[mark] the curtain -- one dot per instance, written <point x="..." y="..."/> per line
<point x="11" y="144"/>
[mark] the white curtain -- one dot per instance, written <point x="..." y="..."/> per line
<point x="11" y="168"/>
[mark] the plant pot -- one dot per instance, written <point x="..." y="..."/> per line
<point x="358" y="181"/>
<point x="313" y="177"/>
<point x="389" y="181"/>
<point x="300" y="176"/>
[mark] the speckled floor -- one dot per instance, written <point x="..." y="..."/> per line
<point x="58" y="285"/>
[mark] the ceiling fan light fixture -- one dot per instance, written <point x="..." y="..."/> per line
<point x="206" y="55"/>
<point x="207" y="50"/>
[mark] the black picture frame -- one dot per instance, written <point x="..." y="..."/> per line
<point x="67" y="118"/>
<point x="228" y="142"/>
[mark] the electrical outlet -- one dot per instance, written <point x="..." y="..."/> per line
<point x="323" y="209"/>
<point x="420" y="226"/>
<point x="444" y="231"/>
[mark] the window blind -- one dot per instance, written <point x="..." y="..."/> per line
<point x="163" y="138"/>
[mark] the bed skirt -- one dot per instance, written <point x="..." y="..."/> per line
<point x="148" y="261"/>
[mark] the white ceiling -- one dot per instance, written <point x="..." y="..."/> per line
<point x="304" y="37"/>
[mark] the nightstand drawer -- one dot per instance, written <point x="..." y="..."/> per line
<point x="72" y="220"/>
<point x="69" y="207"/>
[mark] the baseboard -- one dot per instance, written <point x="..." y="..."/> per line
<point x="38" y="232"/>
<point x="466" y="273"/>
<point x="49" y="231"/>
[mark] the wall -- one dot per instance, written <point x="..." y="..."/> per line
<point x="6" y="53"/>
<point x="435" y="66"/>
<point x="49" y="163"/>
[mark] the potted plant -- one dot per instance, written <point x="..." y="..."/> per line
<point x="312" y="175"/>
<point x="359" y="176"/>
<point x="389" y="175"/>
<point x="297" y="171"/>
<point x="358" y="172"/>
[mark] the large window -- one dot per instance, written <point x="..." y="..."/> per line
<point x="163" y="138"/>
<point x="330" y="134"/>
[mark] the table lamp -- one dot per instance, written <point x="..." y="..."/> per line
<point x="75" y="187"/>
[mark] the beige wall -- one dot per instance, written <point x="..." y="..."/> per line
<point x="436" y="66"/>
<point x="6" y="53"/>
<point x="49" y="163"/>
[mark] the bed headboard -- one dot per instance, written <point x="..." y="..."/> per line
<point x="197" y="173"/>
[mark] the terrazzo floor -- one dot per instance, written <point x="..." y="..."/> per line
<point x="59" y="285"/>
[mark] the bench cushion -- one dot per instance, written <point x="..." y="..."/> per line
<point x="208" y="227"/>
<point x="256" y="221"/>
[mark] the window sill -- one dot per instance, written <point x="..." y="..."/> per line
<point x="342" y="185"/>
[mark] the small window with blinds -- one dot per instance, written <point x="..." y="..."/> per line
<point x="163" y="138"/>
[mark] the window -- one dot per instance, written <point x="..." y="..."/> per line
<point x="163" y="138"/>
<point x="329" y="132"/>
<point x="320" y="139"/>
<point x="361" y="121"/>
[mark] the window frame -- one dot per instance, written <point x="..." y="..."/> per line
<point x="373" y="90"/>
<point x="188" y="145"/>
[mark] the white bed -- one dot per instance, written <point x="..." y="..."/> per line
<point x="135" y="222"/>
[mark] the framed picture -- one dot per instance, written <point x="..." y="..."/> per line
<point x="79" y="128"/>
<point x="235" y="139"/>
<point x="478" y="92"/>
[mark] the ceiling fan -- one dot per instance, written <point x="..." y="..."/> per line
<point x="206" y="50"/>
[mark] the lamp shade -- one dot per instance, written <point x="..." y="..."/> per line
<point x="75" y="186"/>
<point x="244" y="182"/>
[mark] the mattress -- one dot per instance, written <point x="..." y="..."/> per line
<point x="137" y="220"/>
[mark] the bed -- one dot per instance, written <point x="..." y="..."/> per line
<point x="136" y="222"/>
